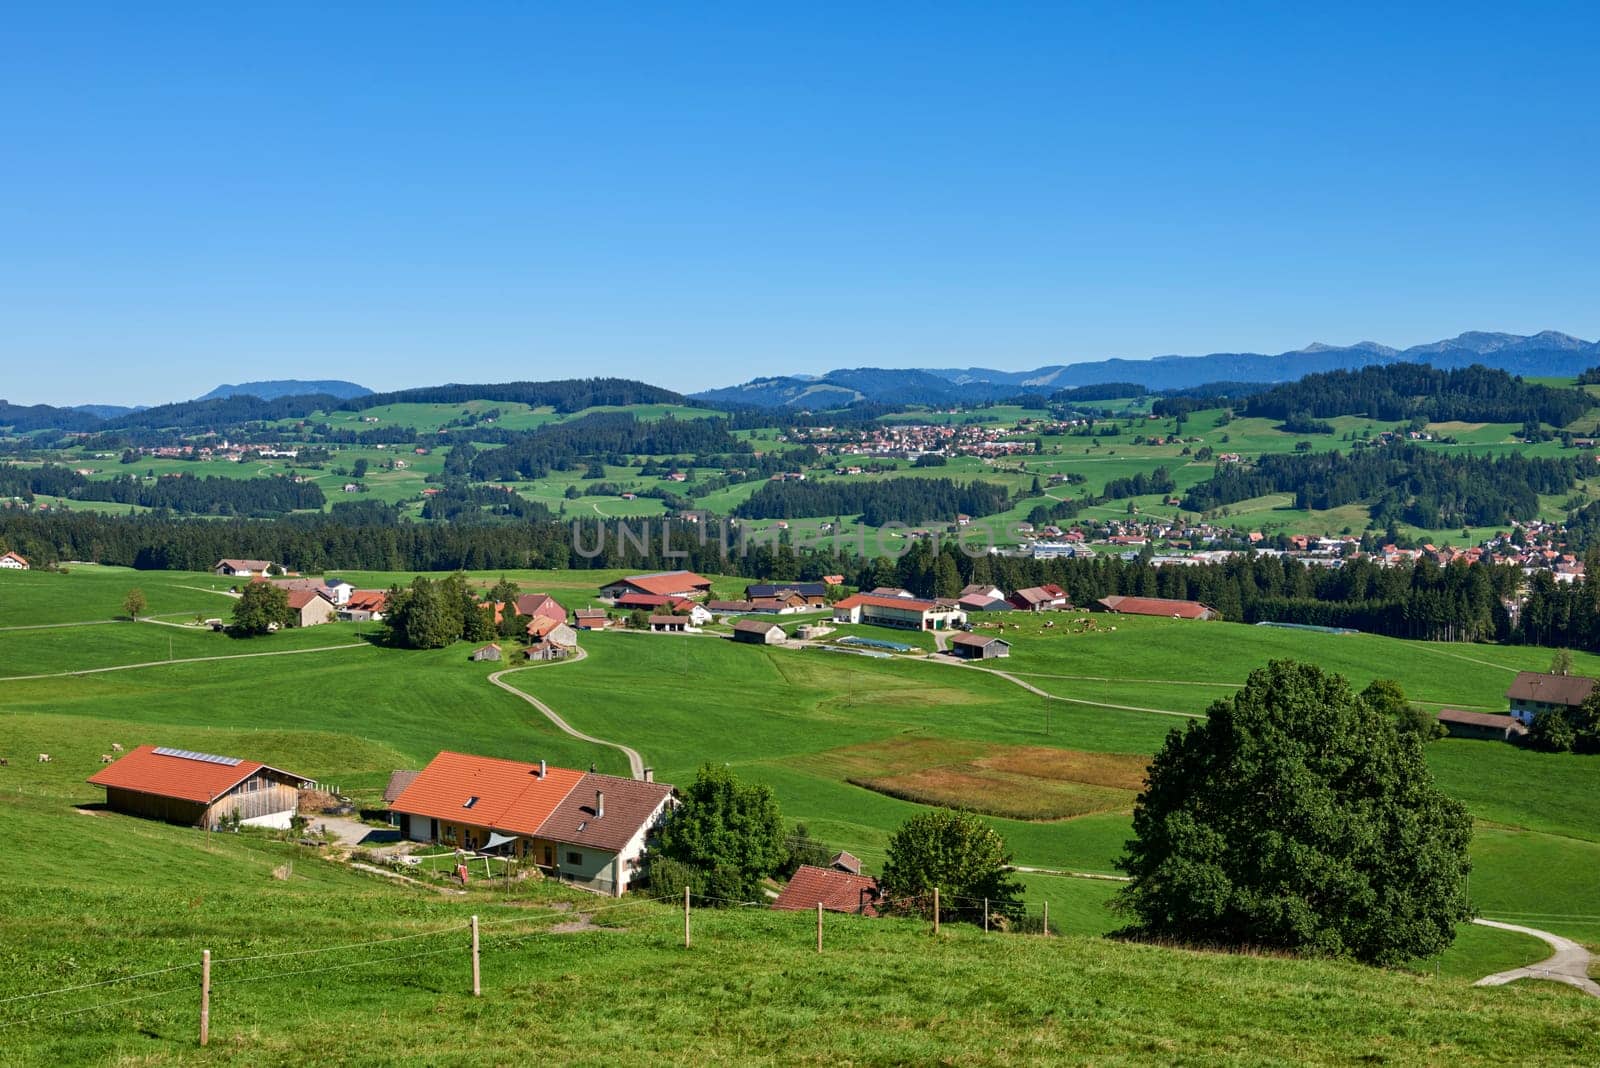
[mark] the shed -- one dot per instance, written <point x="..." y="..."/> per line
<point x="758" y="632"/>
<point x="486" y="652"/>
<point x="1483" y="725"/>
<point x="978" y="646"/>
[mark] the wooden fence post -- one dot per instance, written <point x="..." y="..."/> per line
<point x="936" y="912"/>
<point x="205" y="996"/>
<point x="686" y="917"/>
<point x="1047" y="917"/>
<point x="985" y="915"/>
<point x="477" y="990"/>
<point x="819" y="927"/>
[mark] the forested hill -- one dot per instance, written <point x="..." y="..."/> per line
<point x="565" y="396"/>
<point x="1402" y="483"/>
<point x="288" y="387"/>
<point x="895" y="500"/>
<point x="1400" y="391"/>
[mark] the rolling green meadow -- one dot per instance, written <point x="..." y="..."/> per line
<point x="846" y="742"/>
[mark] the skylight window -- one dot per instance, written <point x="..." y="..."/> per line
<point x="473" y="800"/>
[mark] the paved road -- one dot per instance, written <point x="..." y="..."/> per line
<point x="1568" y="964"/>
<point x="635" y="761"/>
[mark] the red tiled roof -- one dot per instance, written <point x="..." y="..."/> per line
<point x="667" y="582"/>
<point x="367" y="601"/>
<point x="838" y="891"/>
<point x="145" y="771"/>
<point x="510" y="794"/>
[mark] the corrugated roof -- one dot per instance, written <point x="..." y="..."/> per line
<point x="977" y="641"/>
<point x="664" y="582"/>
<point x="755" y="626"/>
<point x="146" y="771"/>
<point x="1154" y="606"/>
<point x="838" y="891"/>
<point x="873" y="600"/>
<point x="1480" y="719"/>
<point x="510" y="794"/>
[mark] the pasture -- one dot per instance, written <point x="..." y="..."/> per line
<point x="851" y="745"/>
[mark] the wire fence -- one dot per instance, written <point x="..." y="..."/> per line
<point x="528" y="925"/>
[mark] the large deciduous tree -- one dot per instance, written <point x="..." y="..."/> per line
<point x="730" y="831"/>
<point x="261" y="607"/>
<point x="958" y="852"/>
<point x="1297" y="817"/>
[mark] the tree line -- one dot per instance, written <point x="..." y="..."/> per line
<point x="210" y="495"/>
<point x="1398" y="392"/>
<point x="1403" y="482"/>
<point x="892" y="500"/>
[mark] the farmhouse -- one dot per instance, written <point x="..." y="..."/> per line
<point x="907" y="613"/>
<point x="14" y="562"/>
<point x="833" y="889"/>
<point x="242" y="568"/>
<point x="1535" y="691"/>
<point x="660" y="583"/>
<point x="307" y="608"/>
<point x="1155" y="606"/>
<point x="979" y="646"/>
<point x="363" y="605"/>
<point x="200" y="789"/>
<point x="591" y="619"/>
<point x="758" y="632"/>
<point x="583" y="828"/>
<point x="548" y="640"/>
<point x="977" y="602"/>
<point x="541" y="606"/>
<point x="1050" y="598"/>
<point x="982" y="592"/>
<point x="1481" y="725"/>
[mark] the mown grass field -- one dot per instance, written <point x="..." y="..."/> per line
<point x="844" y="741"/>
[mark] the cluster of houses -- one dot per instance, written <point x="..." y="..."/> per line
<point x="912" y="440"/>
<point x="581" y="827"/>
<point x="312" y="601"/>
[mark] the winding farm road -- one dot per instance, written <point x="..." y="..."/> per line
<point x="1568" y="964"/>
<point x="635" y="761"/>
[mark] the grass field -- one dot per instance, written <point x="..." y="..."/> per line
<point x="850" y="745"/>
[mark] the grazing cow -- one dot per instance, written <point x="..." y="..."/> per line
<point x="106" y="758"/>
<point x="115" y="748"/>
<point x="44" y="758"/>
<point x="4" y="763"/>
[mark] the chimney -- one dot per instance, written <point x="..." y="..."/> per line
<point x="649" y="774"/>
<point x="599" y="804"/>
<point x="542" y="768"/>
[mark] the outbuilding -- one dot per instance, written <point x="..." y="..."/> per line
<point x="978" y="646"/>
<point x="758" y="632"/>
<point x="1496" y="728"/>
<point x="200" y="789"/>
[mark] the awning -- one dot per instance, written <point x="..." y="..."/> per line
<point x="496" y="839"/>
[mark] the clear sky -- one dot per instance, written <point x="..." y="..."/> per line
<point x="403" y="194"/>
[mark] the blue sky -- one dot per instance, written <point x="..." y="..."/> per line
<point x="402" y="194"/>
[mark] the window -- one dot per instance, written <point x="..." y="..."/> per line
<point x="473" y="800"/>
<point x="574" y="858"/>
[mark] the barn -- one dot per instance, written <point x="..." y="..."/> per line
<point x="200" y="789"/>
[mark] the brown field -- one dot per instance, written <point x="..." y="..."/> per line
<point x="1018" y="782"/>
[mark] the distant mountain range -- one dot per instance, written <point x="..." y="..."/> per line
<point x="1546" y="353"/>
<point x="289" y="387"/>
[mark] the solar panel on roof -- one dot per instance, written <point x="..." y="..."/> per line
<point x="189" y="754"/>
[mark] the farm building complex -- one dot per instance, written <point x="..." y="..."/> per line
<point x="200" y="789"/>
<point x="659" y="584"/>
<point x="1155" y="606"/>
<point x="584" y="828"/>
